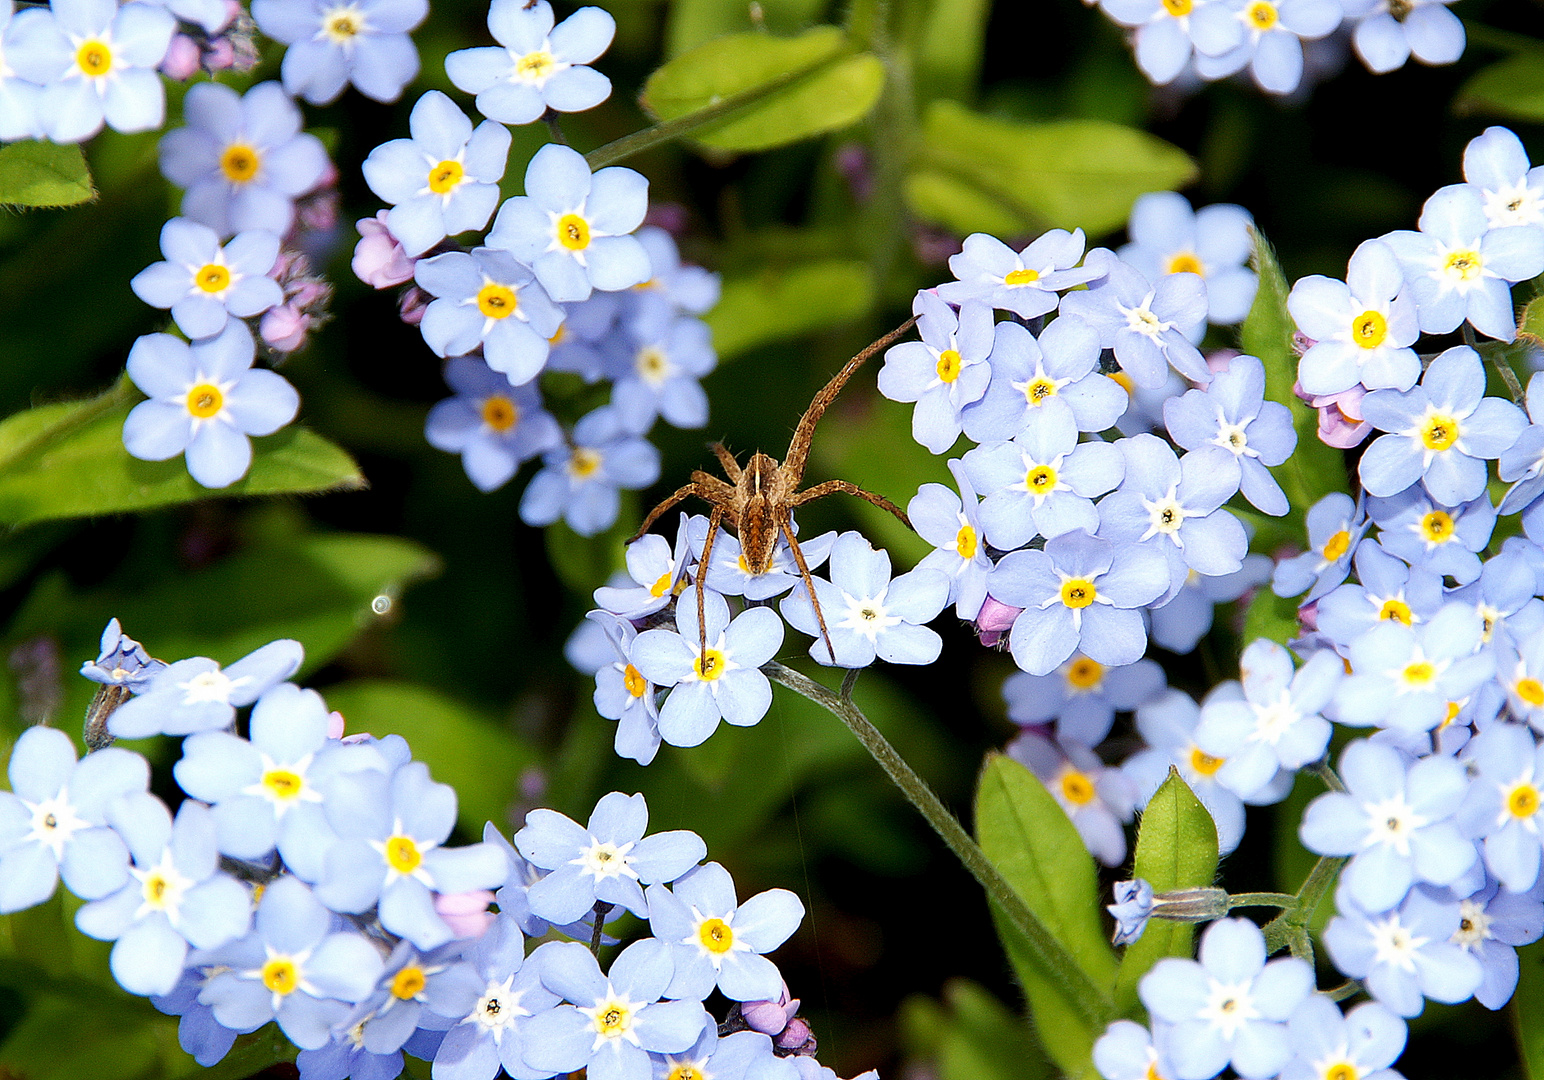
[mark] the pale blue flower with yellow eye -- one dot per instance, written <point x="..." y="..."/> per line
<point x="204" y="282"/>
<point x="333" y="43"/>
<point x="205" y="399"/>
<point x="624" y="694"/>
<point x="1126" y="1051"/>
<point x="1053" y="373"/>
<point x="538" y="66"/>
<point x="656" y="370"/>
<point x="1405" y="676"/>
<point x="942" y="373"/>
<point x="1023" y="282"/>
<point x="952" y="524"/>
<point x="444" y="180"/>
<point x="1503" y="802"/>
<point x="1169" y="32"/>
<point x="493" y="426"/>
<point x="1425" y="533"/>
<point x="490" y="1031"/>
<point x="1361" y="328"/>
<point x="1364" y="1042"/>
<point x="198" y="695"/>
<point x="1082" y="696"/>
<point x="1168" y="725"/>
<point x="487" y="299"/>
<point x="1232" y="413"/>
<point x="1425" y="29"/>
<point x="1168" y="237"/>
<point x="580" y="483"/>
<point x="1386" y="588"/>
<point x="1272" y="48"/>
<point x="1150" y="326"/>
<point x="1336" y="525"/>
<point x="1097" y="798"/>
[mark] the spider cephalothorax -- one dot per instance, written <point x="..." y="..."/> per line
<point x="758" y="501"/>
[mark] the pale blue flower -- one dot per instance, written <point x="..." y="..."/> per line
<point x="1442" y="539"/>
<point x="198" y="1032"/>
<point x="1493" y="923"/>
<point x="1386" y="588"/>
<point x="1098" y="799"/>
<point x="1165" y="41"/>
<point x="1168" y="236"/>
<point x="742" y="1055"/>
<point x="1335" y="527"/>
<point x="1404" y="676"/>
<point x="658" y="571"/>
<point x="1180" y="624"/>
<point x="1149" y="326"/>
<point x="1053" y="374"/>
<point x="952" y="524"/>
<point x="53" y="821"/>
<point x="95" y="62"/>
<point x="1026" y="282"/>
<point x="1502" y="805"/>
<point x="944" y="372"/>
<point x="624" y="694"/>
<point x="336" y="42"/>
<point x="444" y="180"/>
<point x="1405" y="955"/>
<point x="1168" y="725"/>
<point x="1425" y="29"/>
<point x="687" y="289"/>
<point x="1361" y="328"/>
<point x="1131" y="910"/>
<point x="727" y="572"/>
<point x="486" y="299"/>
<point x="242" y="158"/>
<point x="1522" y="464"/>
<point x="656" y="373"/>
<point x="1511" y="191"/>
<point x="1232" y="413"/>
<point x="490" y="1034"/>
<point x="19" y="118"/>
<point x="1082" y="696"/>
<point x="495" y="427"/>
<point x="1126" y="1051"/>
<point x="1367" y="1040"/>
<point x="204" y="282"/>
<point x="574" y="229"/>
<point x="538" y="66"/>
<point x="720" y="682"/>
<point x="205" y="400"/>
<point x="1505" y="599"/>
<point x="1272" y="49"/>
<point x="580" y="484"/>
<point x="196" y="695"/>
<point x="122" y="661"/>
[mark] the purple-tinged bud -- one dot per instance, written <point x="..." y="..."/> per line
<point x="183" y="58"/>
<point x="465" y="913"/>
<point x="413" y="304"/>
<point x="1340" y="416"/>
<point x="1218" y="362"/>
<point x="669" y="216"/>
<point x="220" y="55"/>
<point x="1132" y="908"/>
<point x="1301" y="342"/>
<point x="994" y="620"/>
<point x="797" y="1039"/>
<point x="1308" y="616"/>
<point x="854" y="165"/>
<point x="284" y="328"/>
<point x="379" y="260"/>
<point x="770" y="1017"/>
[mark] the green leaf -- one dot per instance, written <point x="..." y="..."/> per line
<point x="480" y="758"/>
<point x="949" y="49"/>
<point x="796" y="87"/>
<point x="84" y="471"/>
<point x="585" y="563"/>
<point x="1528" y="1004"/>
<point x="694" y="22"/>
<point x="978" y="173"/>
<point x="1025" y="832"/>
<point x="1314" y="469"/>
<point x="983" y="1040"/>
<point x="781" y="302"/>
<point x="43" y="174"/>
<point x="1176" y="849"/>
<point x="1271" y="616"/>
<point x="1531" y="325"/>
<point x="1512" y="88"/>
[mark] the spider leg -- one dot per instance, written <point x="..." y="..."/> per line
<point x="711" y="489"/>
<point x="702" y="583"/>
<point x="682" y="492"/>
<point x="799" y="447"/>
<point x="726" y="459"/>
<point x="809" y="585"/>
<point x="832" y="487"/>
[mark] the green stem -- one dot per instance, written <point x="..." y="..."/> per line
<point x="1290" y="928"/>
<point x="1322" y="770"/>
<point x="1261" y="899"/>
<point x="84" y="413"/>
<point x="682" y="126"/>
<point x="1059" y="965"/>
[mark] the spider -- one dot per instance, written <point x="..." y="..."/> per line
<point x="759" y="501"/>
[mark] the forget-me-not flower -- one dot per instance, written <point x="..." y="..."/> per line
<point x="573" y="228"/>
<point x="1232" y="413"/>
<point x="1336" y="525"/>
<point x="242" y="158"/>
<point x="720" y="682"/>
<point x="487" y="299"/>
<point x="1180" y="624"/>
<point x="336" y="42"/>
<point x="1168" y="32"/>
<point x="19" y="98"/>
<point x="1127" y="1051"/>
<point x="624" y="694"/>
<point x="658" y="571"/>
<point x="1362" y="328"/>
<point x="490" y="1032"/>
<point x="1169" y="237"/>
<point x="1404" y="676"/>
<point x="1511" y="191"/>
<point x="122" y="661"/>
<point x="442" y="181"/>
<point x="728" y="572"/>
<point x="205" y="400"/>
<point x="1055" y="373"/>
<point x="1389" y="32"/>
<point x="656" y="374"/>
<point x="580" y="483"/>
<point x="952" y="524"/>
<point x="1082" y="696"/>
<point x="1493" y="923"/>
<point x="942" y="373"/>
<point x="1407" y="954"/>
<point x="1097" y="798"/>
<point x="1442" y="539"/>
<point x="537" y="66"/>
<point x="1148" y="325"/>
<point x="1272" y="48"/>
<point x="1168" y="725"/>
<point x="495" y="427"/>
<point x="1502" y="805"/>
<point x="1522" y="463"/>
<point x="204" y="282"/>
<point x="1363" y="1043"/>
<point x="197" y="695"/>
<point x="1026" y="282"/>
<point x="1386" y="588"/>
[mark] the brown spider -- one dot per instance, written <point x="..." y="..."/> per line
<point x="759" y="503"/>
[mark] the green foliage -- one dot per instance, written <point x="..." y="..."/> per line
<point x="68" y="460"/>
<point x="1531" y="324"/>
<point x="779" y="302"/>
<point x="1512" y="88"/>
<point x="481" y="759"/>
<point x="1025" y="832"/>
<point x="1176" y="849"/>
<point x="1314" y="469"/>
<point x="1271" y="616"/>
<point x="984" y="174"/>
<point x="949" y="49"/>
<point x="43" y="174"/>
<point x="792" y="88"/>
<point x="695" y="22"/>
<point x="586" y="562"/>
<point x="1529" y="1010"/>
<point x="972" y="1036"/>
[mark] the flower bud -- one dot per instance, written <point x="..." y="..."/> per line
<point x="183" y="58"/>
<point x="379" y="260"/>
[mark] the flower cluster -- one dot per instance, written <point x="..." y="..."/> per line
<point x="565" y="280"/>
<point x="306" y="880"/>
<point x="1189" y="41"/>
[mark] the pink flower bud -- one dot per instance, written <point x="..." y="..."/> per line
<point x="1340" y="416"/>
<point x="797" y="1038"/>
<point x="335" y="725"/>
<point x="379" y="260"/>
<point x="220" y="55"/>
<point x="1308" y="616"/>
<point x="770" y="1017"/>
<point x="466" y="913"/>
<point x="1217" y="362"/>
<point x="994" y="619"/>
<point x="414" y="302"/>
<point x="284" y="328"/>
<point x="182" y="59"/>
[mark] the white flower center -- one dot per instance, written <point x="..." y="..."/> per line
<point x="1390" y="823"/>
<point x="209" y="686"/>
<point x="1394" y="944"/>
<point x="1229" y="1006"/>
<point x="1274" y="720"/>
<point x="162" y="888"/>
<point x="605" y="860"/>
<point x="54" y="822"/>
<point x="498" y="1009"/>
<point x="1142" y="320"/>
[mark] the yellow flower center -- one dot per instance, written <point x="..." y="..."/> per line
<point x="497" y="301"/>
<point x="661" y="585"/>
<point x="94" y="58"/>
<point x="499" y="413"/>
<point x="710" y="665"/>
<point x="949" y="365"/>
<point x="212" y="278"/>
<point x="1335" y="547"/>
<point x="1395" y="609"/>
<point x="239" y="163"/>
<point x="1184" y="262"/>
<point x="408" y="983"/>
<point x="1084" y="674"/>
<point x="633" y="679"/>
<point x="651" y="363"/>
<point x="446" y="176"/>
<point x="280" y="976"/>
<point x="1439" y="432"/>
<point x="1531" y="691"/>
<point x="402" y="854"/>
<point x="1341" y="1071"/>
<point x="205" y="400"/>
<point x="716" y="936"/>
<point x="1261" y="14"/>
<point x="612" y="1019"/>
<point x="1077" y="788"/>
<point x="965" y="542"/>
<point x="584" y="462"/>
<point x="1178" y="8"/>
<point x="1437" y="527"/>
<point x="1523" y="800"/>
<point x="1041" y="480"/>
<point x="1369" y="329"/>
<point x="573" y="232"/>
<point x="1419" y="673"/>
<point x="1037" y="390"/>
<point x="1464" y="265"/>
<point x="283" y="784"/>
<point x="1078" y="592"/>
<point x="686" y="1072"/>
<point x="1204" y="763"/>
<point x="1021" y="277"/>
<point x="343" y="25"/>
<point x="154" y="889"/>
<point x="535" y="66"/>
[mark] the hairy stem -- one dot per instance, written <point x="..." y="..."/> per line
<point x="602" y="909"/>
<point x="1261" y="899"/>
<point x="1090" y="1000"/>
<point x="1290" y="928"/>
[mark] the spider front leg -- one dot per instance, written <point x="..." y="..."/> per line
<point x="832" y="487"/>
<point x="702" y="581"/>
<point x="726" y="459"/>
<point x="809" y="585"/>
<point x="680" y="493"/>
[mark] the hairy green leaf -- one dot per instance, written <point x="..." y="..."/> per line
<point x="979" y="173"/>
<point x="793" y="87"/>
<point x="1176" y="849"/>
<point x="43" y="174"/>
